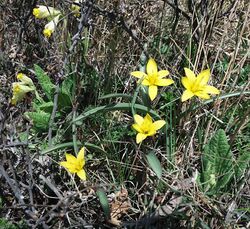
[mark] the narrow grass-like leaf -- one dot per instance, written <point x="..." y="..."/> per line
<point x="154" y="163"/>
<point x="116" y="95"/>
<point x="104" y="202"/>
<point x="71" y="144"/>
<point x="119" y="106"/>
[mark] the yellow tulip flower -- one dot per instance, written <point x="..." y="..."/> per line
<point x="45" y="12"/>
<point x="75" y="164"/>
<point x="51" y="26"/>
<point x="197" y="86"/>
<point x="146" y="127"/>
<point x="153" y="78"/>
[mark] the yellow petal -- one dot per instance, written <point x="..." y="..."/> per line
<point x="70" y="158"/>
<point x="152" y="91"/>
<point x="148" y="119"/>
<point x="50" y="27"/>
<point x="163" y="82"/>
<point x="190" y="74"/>
<point x="140" y="137"/>
<point x="158" y="124"/>
<point x="80" y="157"/>
<point x="81" y="174"/>
<point x="25" y="79"/>
<point x="64" y="164"/>
<point x="138" y="119"/>
<point x="138" y="74"/>
<point x="211" y="90"/>
<point x="45" y="12"/>
<point x="47" y="33"/>
<point x="186" y="83"/>
<point x="70" y="167"/>
<point x="186" y="95"/>
<point x="145" y="82"/>
<point x="163" y="73"/>
<point x="202" y="95"/>
<point x="151" y="67"/>
<point x="203" y="77"/>
<point x="137" y="127"/>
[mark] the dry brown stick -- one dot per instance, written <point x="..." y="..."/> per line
<point x="13" y="185"/>
<point x="83" y="22"/>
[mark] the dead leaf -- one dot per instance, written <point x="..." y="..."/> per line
<point x="119" y="206"/>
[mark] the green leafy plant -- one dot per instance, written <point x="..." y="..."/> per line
<point x="219" y="166"/>
<point x="42" y="108"/>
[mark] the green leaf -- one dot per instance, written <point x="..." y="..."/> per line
<point x="154" y="163"/>
<point x="45" y="82"/>
<point x="118" y="106"/>
<point x="217" y="163"/>
<point x="116" y="95"/>
<point x="104" y="202"/>
<point x="242" y="163"/>
<point x="45" y="106"/>
<point x="40" y="119"/>
<point x="67" y="92"/>
<point x="71" y="144"/>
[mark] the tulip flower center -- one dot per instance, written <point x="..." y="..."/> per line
<point x="152" y="78"/>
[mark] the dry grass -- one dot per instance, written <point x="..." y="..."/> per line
<point x="177" y="34"/>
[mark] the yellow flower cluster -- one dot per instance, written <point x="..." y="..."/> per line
<point x="20" y="89"/>
<point x="53" y="15"/>
<point x="49" y="13"/>
<point x="194" y="85"/>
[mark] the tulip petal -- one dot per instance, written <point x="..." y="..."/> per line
<point x="80" y="157"/>
<point x="187" y="94"/>
<point x="70" y="158"/>
<point x="138" y="119"/>
<point x="203" y="77"/>
<point x="211" y="90"/>
<point x="190" y="74"/>
<point x="70" y="167"/>
<point x="186" y="83"/>
<point x="163" y="73"/>
<point x="151" y="67"/>
<point x="148" y="119"/>
<point x="164" y="82"/>
<point x="140" y="137"/>
<point x="152" y="91"/>
<point x="81" y="174"/>
<point x="202" y="94"/>
<point x="138" y="74"/>
<point x="137" y="127"/>
<point x="146" y="82"/>
<point x="158" y="124"/>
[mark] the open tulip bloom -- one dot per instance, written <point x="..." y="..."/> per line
<point x="146" y="127"/>
<point x="197" y="86"/>
<point x="75" y="164"/>
<point x="153" y="78"/>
